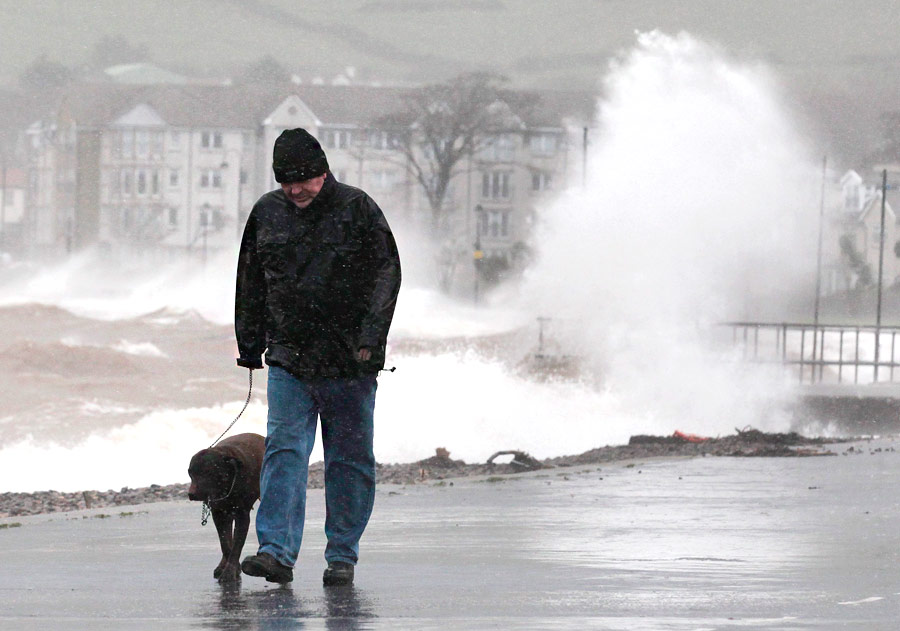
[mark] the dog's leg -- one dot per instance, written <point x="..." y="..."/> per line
<point x="241" y="526"/>
<point x="223" y="521"/>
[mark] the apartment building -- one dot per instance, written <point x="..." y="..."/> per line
<point x="168" y="169"/>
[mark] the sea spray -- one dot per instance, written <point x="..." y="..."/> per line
<point x="698" y="208"/>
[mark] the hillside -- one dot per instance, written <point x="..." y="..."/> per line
<point x="838" y="60"/>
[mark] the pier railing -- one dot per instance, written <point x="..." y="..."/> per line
<point x="823" y="353"/>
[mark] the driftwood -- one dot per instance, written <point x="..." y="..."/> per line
<point x="522" y="460"/>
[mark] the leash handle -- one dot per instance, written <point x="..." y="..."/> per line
<point x="246" y="403"/>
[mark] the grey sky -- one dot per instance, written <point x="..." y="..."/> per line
<point x="839" y="59"/>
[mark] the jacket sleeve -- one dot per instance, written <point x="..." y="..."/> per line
<point x="385" y="261"/>
<point x="250" y="301"/>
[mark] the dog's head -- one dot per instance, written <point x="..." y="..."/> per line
<point x="212" y="475"/>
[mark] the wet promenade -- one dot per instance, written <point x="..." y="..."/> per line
<point x="714" y="543"/>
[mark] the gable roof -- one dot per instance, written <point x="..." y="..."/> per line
<point x="875" y="204"/>
<point x="247" y="106"/>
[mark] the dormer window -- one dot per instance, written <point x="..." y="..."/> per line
<point x="211" y="140"/>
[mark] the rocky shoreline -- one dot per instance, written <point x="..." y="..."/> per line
<point x="746" y="443"/>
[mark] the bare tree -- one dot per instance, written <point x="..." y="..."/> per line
<point x="43" y="74"/>
<point x="110" y="50"/>
<point x="440" y="125"/>
<point x="264" y="70"/>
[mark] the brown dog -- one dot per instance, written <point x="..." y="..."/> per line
<point x="226" y="477"/>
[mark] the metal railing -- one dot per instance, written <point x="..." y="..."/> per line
<point x="824" y="353"/>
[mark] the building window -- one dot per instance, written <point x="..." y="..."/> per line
<point x="500" y="148"/>
<point x="127" y="143"/>
<point x="337" y="138"/>
<point x="497" y="223"/>
<point x="173" y="178"/>
<point x="173" y="216"/>
<point x="154" y="182"/>
<point x="141" y="182"/>
<point x="142" y="142"/>
<point x="382" y="140"/>
<point x="543" y="144"/>
<point x="126" y="182"/>
<point x="496" y="185"/>
<point x="211" y="140"/>
<point x="210" y="178"/>
<point x="244" y="177"/>
<point x="541" y="181"/>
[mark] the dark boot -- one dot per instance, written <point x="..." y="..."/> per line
<point x="266" y="566"/>
<point x="338" y="573"/>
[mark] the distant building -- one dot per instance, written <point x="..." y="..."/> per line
<point x="12" y="207"/>
<point x="144" y="74"/>
<point x="853" y="238"/>
<point x="173" y="168"/>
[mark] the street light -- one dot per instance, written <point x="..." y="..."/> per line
<point x="237" y="171"/>
<point x="477" y="254"/>
<point x="204" y="225"/>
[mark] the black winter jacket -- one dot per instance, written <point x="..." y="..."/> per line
<point x="314" y="285"/>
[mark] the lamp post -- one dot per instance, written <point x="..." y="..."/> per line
<point x="226" y="166"/>
<point x="884" y="187"/>
<point x="204" y="226"/>
<point x="477" y="254"/>
<point x="819" y="269"/>
<point x="3" y="205"/>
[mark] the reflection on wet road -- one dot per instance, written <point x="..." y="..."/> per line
<point x="802" y="543"/>
<point x="341" y="609"/>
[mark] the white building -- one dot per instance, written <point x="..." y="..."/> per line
<point x="169" y="169"/>
<point x="852" y="243"/>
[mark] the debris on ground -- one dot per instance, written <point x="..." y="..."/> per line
<point x="521" y="460"/>
<point x="746" y="442"/>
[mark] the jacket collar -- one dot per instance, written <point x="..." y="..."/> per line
<point x="321" y="202"/>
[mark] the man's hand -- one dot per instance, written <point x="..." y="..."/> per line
<point x="253" y="364"/>
<point x="364" y="354"/>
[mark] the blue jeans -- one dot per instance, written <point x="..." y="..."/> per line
<point x="346" y="407"/>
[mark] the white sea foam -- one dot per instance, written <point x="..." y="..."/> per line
<point x="106" y="408"/>
<point x="154" y="450"/>
<point x="141" y="349"/>
<point x="462" y="402"/>
<point x="699" y="207"/>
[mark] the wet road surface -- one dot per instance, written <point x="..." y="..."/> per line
<point x="711" y="543"/>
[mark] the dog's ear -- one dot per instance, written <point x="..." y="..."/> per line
<point x="233" y="463"/>
<point x="197" y="463"/>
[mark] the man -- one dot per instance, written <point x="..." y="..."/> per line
<point x="317" y="282"/>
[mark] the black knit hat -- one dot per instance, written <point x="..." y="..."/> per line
<point x="297" y="157"/>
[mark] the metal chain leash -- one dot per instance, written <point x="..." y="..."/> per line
<point x="246" y="403"/>
<point x="205" y="510"/>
